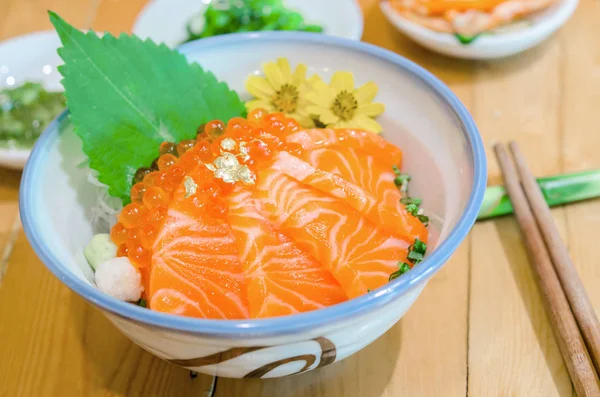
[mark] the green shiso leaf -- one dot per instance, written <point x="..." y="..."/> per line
<point x="126" y="96"/>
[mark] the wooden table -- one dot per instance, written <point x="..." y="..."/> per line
<point x="477" y="330"/>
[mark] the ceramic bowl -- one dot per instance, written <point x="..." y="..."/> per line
<point x="508" y="41"/>
<point x="341" y="18"/>
<point x="442" y="150"/>
<point x="31" y="57"/>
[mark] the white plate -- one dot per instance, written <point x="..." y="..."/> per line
<point x="31" y="57"/>
<point x="165" y="20"/>
<point x="498" y="45"/>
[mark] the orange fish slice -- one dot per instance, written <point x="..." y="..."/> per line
<point x="357" y="167"/>
<point x="196" y="270"/>
<point x="369" y="143"/>
<point x="281" y="278"/>
<point x="391" y="217"/>
<point x="439" y="7"/>
<point x="358" y="254"/>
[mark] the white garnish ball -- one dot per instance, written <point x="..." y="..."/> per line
<point x="118" y="278"/>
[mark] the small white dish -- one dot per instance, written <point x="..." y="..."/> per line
<point x="31" y="57"/>
<point x="498" y="45"/>
<point x="342" y="18"/>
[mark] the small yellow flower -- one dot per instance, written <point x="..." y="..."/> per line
<point x="281" y="91"/>
<point x="340" y="105"/>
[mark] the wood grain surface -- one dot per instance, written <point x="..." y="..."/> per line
<point x="478" y="329"/>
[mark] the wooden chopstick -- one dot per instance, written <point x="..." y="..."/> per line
<point x="570" y="341"/>
<point x="571" y="283"/>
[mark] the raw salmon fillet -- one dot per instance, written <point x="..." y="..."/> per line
<point x="369" y="143"/>
<point x="262" y="219"/>
<point x="357" y="167"/>
<point x="359" y="255"/>
<point x="390" y="215"/>
<point x="281" y="278"/>
<point x="196" y="270"/>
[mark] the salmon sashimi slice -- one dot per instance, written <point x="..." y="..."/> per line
<point x="357" y="167"/>
<point x="361" y="169"/>
<point x="392" y="217"/>
<point x="367" y="142"/>
<point x="281" y="278"/>
<point x="359" y="255"/>
<point x="196" y="269"/>
<point x="258" y="218"/>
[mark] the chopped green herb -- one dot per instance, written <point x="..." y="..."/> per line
<point x="412" y="204"/>
<point x="413" y="207"/>
<point x="466" y="39"/>
<point x="415" y="257"/>
<point x="368" y="289"/>
<point x="423" y="218"/>
<point x="416" y="251"/>
<point x="142" y="303"/>
<point x="410" y="200"/>
<point x="401" y="180"/>
<point x="419" y="246"/>
<point x="403" y="268"/>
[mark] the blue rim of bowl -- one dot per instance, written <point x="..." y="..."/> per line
<point x="277" y="326"/>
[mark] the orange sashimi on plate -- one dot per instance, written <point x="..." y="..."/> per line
<point x="260" y="218"/>
<point x="468" y="18"/>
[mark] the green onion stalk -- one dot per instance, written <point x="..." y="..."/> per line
<point x="557" y="190"/>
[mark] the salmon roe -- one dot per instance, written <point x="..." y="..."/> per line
<point x="162" y="185"/>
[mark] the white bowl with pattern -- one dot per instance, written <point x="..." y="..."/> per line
<point x="442" y="151"/>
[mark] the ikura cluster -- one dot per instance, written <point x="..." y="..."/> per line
<point x="195" y="175"/>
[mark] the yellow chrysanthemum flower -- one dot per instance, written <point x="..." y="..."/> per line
<point x="281" y="91"/>
<point x="340" y="105"/>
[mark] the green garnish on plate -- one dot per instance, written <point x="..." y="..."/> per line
<point x="230" y="16"/>
<point x="25" y="111"/>
<point x="126" y="96"/>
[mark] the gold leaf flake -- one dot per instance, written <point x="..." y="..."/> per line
<point x="244" y="151"/>
<point x="228" y="144"/>
<point x="227" y="166"/>
<point x="245" y="175"/>
<point x="226" y="161"/>
<point x="190" y="186"/>
<point x="244" y="148"/>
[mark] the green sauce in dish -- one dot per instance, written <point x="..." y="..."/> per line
<point x="230" y="16"/>
<point x="24" y="113"/>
